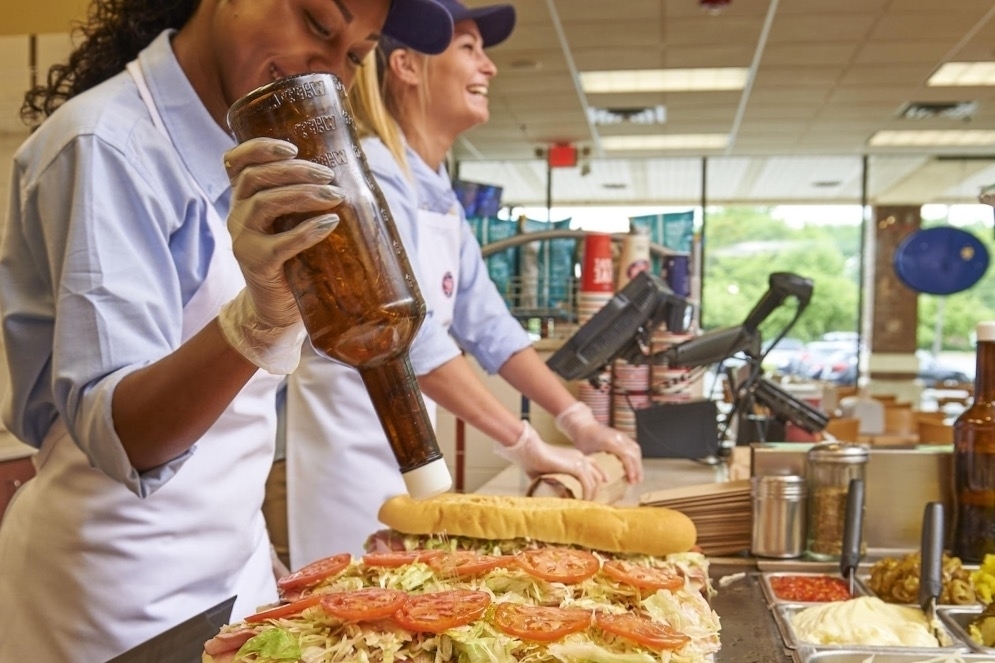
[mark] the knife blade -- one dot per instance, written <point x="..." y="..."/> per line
<point x="183" y="643"/>
<point x="931" y="563"/>
<point x="853" y="525"/>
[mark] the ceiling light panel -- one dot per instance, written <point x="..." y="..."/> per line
<point x="665" y="142"/>
<point x="663" y="80"/>
<point x="953" y="138"/>
<point x="963" y="74"/>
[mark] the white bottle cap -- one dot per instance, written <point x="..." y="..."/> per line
<point x="986" y="331"/>
<point x="428" y="480"/>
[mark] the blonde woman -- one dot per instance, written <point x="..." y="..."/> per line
<point x="339" y="466"/>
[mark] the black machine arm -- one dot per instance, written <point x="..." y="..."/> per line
<point x="714" y="346"/>
<point x="781" y="285"/>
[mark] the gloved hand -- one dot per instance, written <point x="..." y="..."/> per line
<point x="537" y="457"/>
<point x="263" y="322"/>
<point x="577" y="422"/>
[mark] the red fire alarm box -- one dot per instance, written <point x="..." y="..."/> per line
<point x="562" y="156"/>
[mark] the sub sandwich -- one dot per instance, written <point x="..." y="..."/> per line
<point x="457" y="595"/>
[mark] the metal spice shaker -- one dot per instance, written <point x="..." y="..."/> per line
<point x="829" y="468"/>
<point x="779" y="516"/>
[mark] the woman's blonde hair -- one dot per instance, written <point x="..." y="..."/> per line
<point x="375" y="100"/>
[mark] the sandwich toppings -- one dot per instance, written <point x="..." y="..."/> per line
<point x="314" y="573"/>
<point x="566" y="565"/>
<point x="440" y="611"/>
<point x="362" y="605"/>
<point x="642" y="576"/>
<point x="395" y="558"/>
<point x="540" y="623"/>
<point x="537" y="605"/>
<point x="642" y="630"/>
<point x="465" y="563"/>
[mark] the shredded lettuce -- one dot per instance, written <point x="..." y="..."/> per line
<point x="272" y="645"/>
<point x="573" y="651"/>
<point x="316" y="637"/>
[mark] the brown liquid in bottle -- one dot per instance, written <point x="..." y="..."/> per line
<point x="355" y="289"/>
<point x="974" y="460"/>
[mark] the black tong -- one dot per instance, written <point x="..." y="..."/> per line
<point x="931" y="563"/>
<point x="852" y="531"/>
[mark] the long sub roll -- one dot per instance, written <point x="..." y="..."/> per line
<point x="633" y="530"/>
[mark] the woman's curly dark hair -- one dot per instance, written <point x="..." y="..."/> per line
<point x="114" y="33"/>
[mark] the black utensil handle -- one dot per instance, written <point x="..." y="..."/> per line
<point x="931" y="562"/>
<point x="852" y="527"/>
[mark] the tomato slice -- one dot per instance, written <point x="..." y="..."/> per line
<point x="641" y="576"/>
<point x="436" y="612"/>
<point x="315" y="572"/>
<point x="284" y="610"/>
<point x="540" y="623"/>
<point x="565" y="565"/>
<point x="465" y="563"/>
<point x="642" y="630"/>
<point x="397" y="558"/>
<point x="363" y="605"/>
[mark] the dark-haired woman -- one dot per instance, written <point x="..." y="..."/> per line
<point x="145" y="338"/>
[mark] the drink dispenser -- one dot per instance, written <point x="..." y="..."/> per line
<point x="356" y="289"/>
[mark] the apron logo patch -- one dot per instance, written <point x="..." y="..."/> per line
<point x="447" y="284"/>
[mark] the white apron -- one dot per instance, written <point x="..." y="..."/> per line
<point x="340" y="468"/>
<point x="104" y="570"/>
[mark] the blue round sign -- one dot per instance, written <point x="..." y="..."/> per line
<point x="940" y="261"/>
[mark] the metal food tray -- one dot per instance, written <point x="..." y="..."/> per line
<point x="865" y="581"/>
<point x="784" y="612"/>
<point x="957" y="619"/>
<point x="773" y="599"/>
<point x="866" y="655"/>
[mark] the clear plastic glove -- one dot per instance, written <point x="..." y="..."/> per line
<point x="537" y="457"/>
<point x="263" y="322"/>
<point x="577" y="422"/>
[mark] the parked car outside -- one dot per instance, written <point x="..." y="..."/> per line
<point x="820" y="355"/>
<point x="783" y="357"/>
<point x="933" y="372"/>
<point x="840" y="368"/>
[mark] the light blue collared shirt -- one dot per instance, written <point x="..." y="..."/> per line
<point x="107" y="239"/>
<point x="482" y="324"/>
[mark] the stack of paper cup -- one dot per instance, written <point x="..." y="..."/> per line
<point x="630" y="392"/>
<point x="635" y="256"/>
<point x="672" y="384"/>
<point x="597" y="398"/>
<point x="597" y="276"/>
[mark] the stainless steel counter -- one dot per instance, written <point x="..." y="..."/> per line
<point x="748" y="633"/>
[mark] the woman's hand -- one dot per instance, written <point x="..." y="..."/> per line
<point x="577" y="422"/>
<point x="537" y="457"/>
<point x="263" y="322"/>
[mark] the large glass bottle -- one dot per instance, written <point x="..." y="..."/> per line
<point x="356" y="289"/>
<point x="974" y="460"/>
